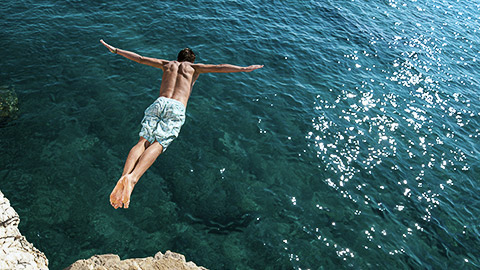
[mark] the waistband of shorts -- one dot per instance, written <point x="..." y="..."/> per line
<point x="171" y="100"/>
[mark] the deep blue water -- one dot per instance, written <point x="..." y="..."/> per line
<point x="355" y="147"/>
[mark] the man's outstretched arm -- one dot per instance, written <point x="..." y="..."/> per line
<point x="224" y="68"/>
<point x="158" y="63"/>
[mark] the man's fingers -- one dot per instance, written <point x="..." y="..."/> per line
<point x="109" y="47"/>
<point x="253" y="67"/>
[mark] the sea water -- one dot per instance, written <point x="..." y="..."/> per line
<point x="355" y="147"/>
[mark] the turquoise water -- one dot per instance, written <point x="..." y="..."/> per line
<point x="355" y="147"/>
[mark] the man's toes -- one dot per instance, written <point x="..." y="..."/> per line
<point x="116" y="201"/>
<point x="126" y="202"/>
<point x="125" y="199"/>
<point x="126" y="195"/>
<point x="114" y="204"/>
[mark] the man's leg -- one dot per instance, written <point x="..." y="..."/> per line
<point x="128" y="181"/>
<point x="134" y="155"/>
<point x="132" y="159"/>
<point x="146" y="160"/>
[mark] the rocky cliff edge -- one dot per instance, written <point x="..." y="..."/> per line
<point x="15" y="251"/>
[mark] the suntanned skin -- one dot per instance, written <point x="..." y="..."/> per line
<point x="177" y="82"/>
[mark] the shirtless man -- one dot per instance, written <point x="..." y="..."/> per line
<point x="164" y="118"/>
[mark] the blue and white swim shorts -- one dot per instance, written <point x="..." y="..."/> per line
<point x="162" y="121"/>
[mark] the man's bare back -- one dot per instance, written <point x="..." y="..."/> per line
<point x="177" y="83"/>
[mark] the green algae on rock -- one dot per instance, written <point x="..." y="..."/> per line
<point x="8" y="104"/>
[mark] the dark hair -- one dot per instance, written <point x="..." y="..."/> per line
<point x="186" y="55"/>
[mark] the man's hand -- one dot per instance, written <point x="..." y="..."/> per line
<point x="253" y="67"/>
<point x="109" y="47"/>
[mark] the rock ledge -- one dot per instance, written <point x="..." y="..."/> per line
<point x="167" y="261"/>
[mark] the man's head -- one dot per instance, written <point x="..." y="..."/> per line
<point x="186" y="55"/>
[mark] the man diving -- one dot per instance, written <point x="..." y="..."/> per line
<point x="165" y="116"/>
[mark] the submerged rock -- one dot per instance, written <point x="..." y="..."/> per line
<point x="167" y="261"/>
<point x="15" y="251"/>
<point x="8" y="104"/>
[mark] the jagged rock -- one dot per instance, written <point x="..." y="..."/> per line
<point x="169" y="260"/>
<point x="15" y="251"/>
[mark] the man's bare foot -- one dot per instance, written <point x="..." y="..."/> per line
<point x="116" y="195"/>
<point x="128" y="184"/>
<point x="122" y="191"/>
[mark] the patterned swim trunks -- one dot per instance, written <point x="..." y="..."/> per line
<point x="162" y="121"/>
